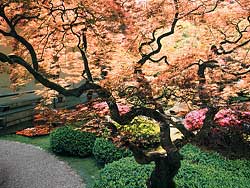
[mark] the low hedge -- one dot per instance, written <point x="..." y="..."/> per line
<point x="198" y="170"/>
<point x="105" y="151"/>
<point x="208" y="176"/>
<point x="124" y="173"/>
<point x="67" y="141"/>
<point x="201" y="169"/>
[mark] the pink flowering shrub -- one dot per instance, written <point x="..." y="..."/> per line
<point x="123" y="109"/>
<point x="227" y="118"/>
<point x="194" y="119"/>
<point x="224" y="118"/>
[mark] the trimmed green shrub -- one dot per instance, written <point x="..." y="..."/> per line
<point x="106" y="152"/>
<point x="198" y="170"/>
<point x="124" y="173"/>
<point x="201" y="169"/>
<point x="209" y="176"/>
<point x="67" y="141"/>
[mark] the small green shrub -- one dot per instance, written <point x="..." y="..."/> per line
<point x="67" y="141"/>
<point x="125" y="173"/>
<point x="106" y="152"/>
<point x="142" y="131"/>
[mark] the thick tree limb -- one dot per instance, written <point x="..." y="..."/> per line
<point x="39" y="77"/>
<point x="13" y="33"/>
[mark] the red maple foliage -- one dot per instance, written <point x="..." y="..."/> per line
<point x="149" y="54"/>
<point x="35" y="131"/>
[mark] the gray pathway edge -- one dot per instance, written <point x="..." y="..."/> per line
<point x="27" y="166"/>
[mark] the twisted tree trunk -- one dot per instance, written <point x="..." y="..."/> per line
<point x="166" y="167"/>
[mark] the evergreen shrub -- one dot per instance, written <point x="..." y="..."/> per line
<point x="124" y="173"/>
<point x="199" y="169"/>
<point x="67" y="141"/>
<point x="105" y="151"/>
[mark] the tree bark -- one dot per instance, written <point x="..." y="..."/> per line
<point x="166" y="167"/>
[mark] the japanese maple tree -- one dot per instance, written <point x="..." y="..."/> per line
<point x="146" y="51"/>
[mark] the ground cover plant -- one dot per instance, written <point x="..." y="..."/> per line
<point x="199" y="169"/>
<point x="146" y="55"/>
<point x="209" y="169"/>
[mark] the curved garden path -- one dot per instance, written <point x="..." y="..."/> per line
<point x="27" y="166"/>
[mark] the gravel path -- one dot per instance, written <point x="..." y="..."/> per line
<point x="27" y="166"/>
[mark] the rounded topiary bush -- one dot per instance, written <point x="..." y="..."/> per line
<point x="67" y="141"/>
<point x="124" y="173"/>
<point x="106" y="152"/>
